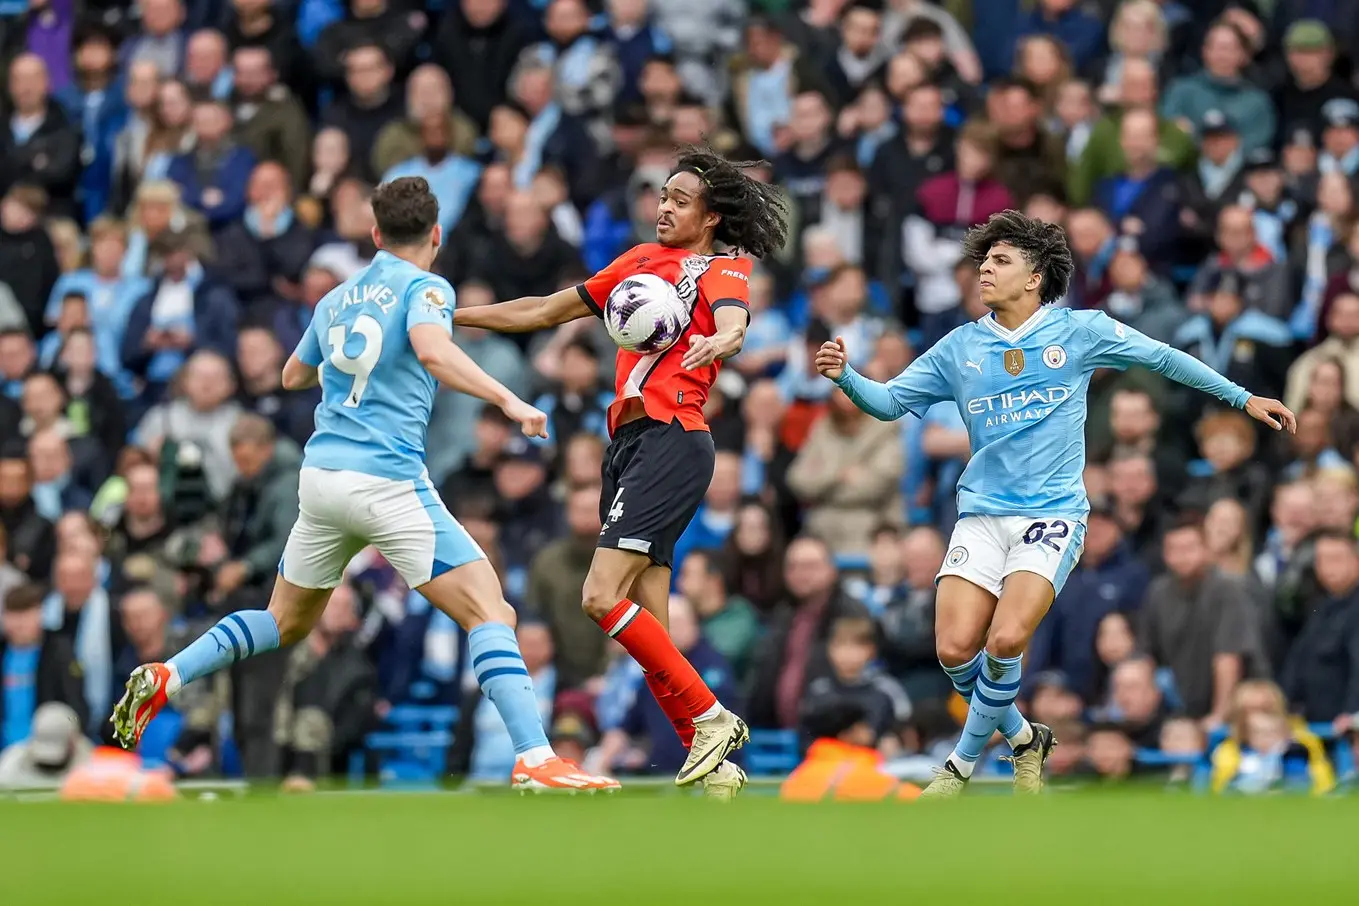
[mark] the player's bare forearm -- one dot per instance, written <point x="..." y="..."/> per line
<point x="725" y="342"/>
<point x="527" y="314"/>
<point x="454" y="368"/>
<point x="297" y="375"/>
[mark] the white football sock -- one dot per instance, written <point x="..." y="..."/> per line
<point x="1022" y="738"/>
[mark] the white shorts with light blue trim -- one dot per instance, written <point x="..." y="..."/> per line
<point x="343" y="512"/>
<point x="984" y="550"/>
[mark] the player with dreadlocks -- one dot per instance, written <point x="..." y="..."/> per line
<point x="712" y="213"/>
<point x="1019" y="376"/>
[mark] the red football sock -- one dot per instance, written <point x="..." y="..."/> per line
<point x="649" y="644"/>
<point x="674" y="709"/>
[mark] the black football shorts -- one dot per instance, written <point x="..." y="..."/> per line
<point x="655" y="476"/>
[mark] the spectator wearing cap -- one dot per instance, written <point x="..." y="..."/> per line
<point x="1273" y="206"/>
<point x="396" y="30"/>
<point x="1109" y="578"/>
<point x="269" y="121"/>
<point x="368" y="105"/>
<point x="1243" y="344"/>
<point x="54" y="748"/>
<point x="1262" y="282"/>
<point x="478" y="43"/>
<point x="1340" y="137"/>
<point x="214" y="175"/>
<point x="947" y="206"/>
<point x="1144" y="200"/>
<point x="1103" y="154"/>
<point x="631" y="31"/>
<point x="27" y="257"/>
<point x="429" y="95"/>
<point x="1215" y="181"/>
<point x="1311" y="81"/>
<point x="264" y="255"/>
<point x="766" y="78"/>
<point x="1222" y="86"/>
<point x="41" y="147"/>
<point x="184" y="310"/>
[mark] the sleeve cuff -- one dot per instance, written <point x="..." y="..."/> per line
<point x="734" y="303"/>
<point x="589" y="301"/>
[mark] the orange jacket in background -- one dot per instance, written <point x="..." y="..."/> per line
<point x="112" y="775"/>
<point x="839" y="771"/>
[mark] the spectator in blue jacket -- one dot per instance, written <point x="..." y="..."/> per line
<point x="635" y="40"/>
<point x="214" y="174"/>
<point x="1108" y="578"/>
<point x="96" y="100"/>
<point x="1144" y="200"/>
<point x="1082" y="33"/>
<point x="184" y="311"/>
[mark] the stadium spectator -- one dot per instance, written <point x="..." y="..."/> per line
<point x="264" y="254"/>
<point x="42" y="148"/>
<point x="851" y="650"/>
<point x="206" y="69"/>
<point x="429" y="95"/>
<point x="31" y="544"/>
<point x="1223" y="87"/>
<point x="1321" y="676"/>
<point x="368" y="105"/>
<point x="1342" y="329"/>
<point x="396" y="31"/>
<point x="80" y="609"/>
<point x="269" y="120"/>
<point x="1031" y="159"/>
<point x="793" y="652"/>
<point x="55" y="747"/>
<point x="1197" y="622"/>
<point x="26" y="252"/>
<point x="39" y="666"/>
<point x="259" y="358"/>
<point x="478" y="43"/>
<point x="753" y="556"/>
<point x="214" y="175"/>
<point x="1110" y="754"/>
<point x="728" y="622"/>
<point x="555" y="578"/>
<point x="1266" y="750"/>
<point x="846" y="476"/>
<point x="1144" y="200"/>
<point x="202" y="416"/>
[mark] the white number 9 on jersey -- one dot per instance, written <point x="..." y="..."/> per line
<point x="360" y="366"/>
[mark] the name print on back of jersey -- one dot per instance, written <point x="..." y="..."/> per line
<point x="380" y="295"/>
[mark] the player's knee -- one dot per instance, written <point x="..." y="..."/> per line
<point x="493" y="612"/>
<point x="1008" y="639"/>
<point x="955" y="648"/>
<point x="599" y="596"/>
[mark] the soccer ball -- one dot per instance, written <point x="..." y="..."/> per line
<point x="644" y="314"/>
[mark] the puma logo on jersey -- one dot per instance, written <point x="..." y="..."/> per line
<point x="973" y="365"/>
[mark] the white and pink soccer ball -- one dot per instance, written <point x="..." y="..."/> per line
<point x="644" y="314"/>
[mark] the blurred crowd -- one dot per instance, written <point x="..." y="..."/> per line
<point x="182" y="180"/>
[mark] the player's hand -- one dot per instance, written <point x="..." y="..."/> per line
<point x="703" y="351"/>
<point x="831" y="359"/>
<point x="1272" y="413"/>
<point x="531" y="421"/>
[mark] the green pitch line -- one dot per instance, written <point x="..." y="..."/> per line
<point x="655" y="851"/>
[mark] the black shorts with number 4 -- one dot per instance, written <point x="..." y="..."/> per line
<point x="655" y="476"/>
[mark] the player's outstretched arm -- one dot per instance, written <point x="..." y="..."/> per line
<point x="455" y="369"/>
<point x="298" y="375"/>
<point x="527" y="314"/>
<point x="875" y="398"/>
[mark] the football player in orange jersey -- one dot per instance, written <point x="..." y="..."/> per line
<point x="712" y="214"/>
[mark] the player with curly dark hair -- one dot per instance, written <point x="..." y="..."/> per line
<point x="712" y="214"/>
<point x="1018" y="376"/>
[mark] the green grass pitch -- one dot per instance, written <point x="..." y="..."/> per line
<point x="399" y="849"/>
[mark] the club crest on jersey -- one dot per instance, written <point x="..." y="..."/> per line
<point x="956" y="557"/>
<point x="1054" y="356"/>
<point x="1014" y="361"/>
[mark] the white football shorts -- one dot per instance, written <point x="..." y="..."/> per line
<point x="984" y="550"/>
<point x="343" y="512"/>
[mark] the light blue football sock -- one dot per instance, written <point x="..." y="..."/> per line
<point x="964" y="676"/>
<point x="996" y="685"/>
<point x="235" y="637"/>
<point x="503" y="677"/>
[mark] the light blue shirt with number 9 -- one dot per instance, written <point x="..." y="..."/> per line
<point x="375" y="395"/>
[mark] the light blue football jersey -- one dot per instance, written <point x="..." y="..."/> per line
<point x="1022" y="394"/>
<point x="375" y="395"/>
